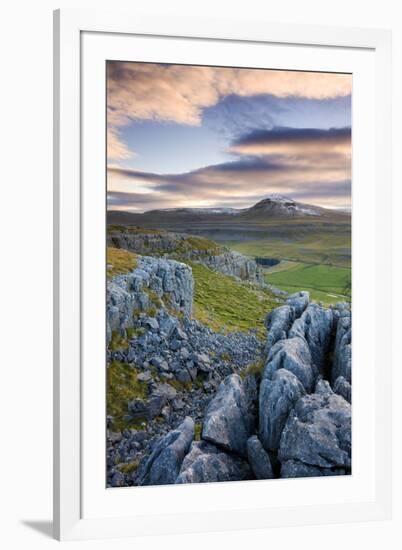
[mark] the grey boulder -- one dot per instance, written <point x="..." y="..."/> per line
<point x="206" y="463"/>
<point x="163" y="465"/>
<point x="170" y="280"/>
<point x="259" y="459"/>
<point x="277" y="397"/>
<point x="299" y="301"/>
<point x="318" y="430"/>
<point x="152" y="407"/>
<point x="228" y="422"/>
<point x="278" y="322"/>
<point x="293" y="355"/>
<point x="315" y="326"/>
<point x="343" y="388"/>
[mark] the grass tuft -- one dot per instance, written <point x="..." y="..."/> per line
<point x="119" y="261"/>
<point x="202" y="245"/>
<point x="154" y="297"/>
<point x="133" y="332"/>
<point x="122" y="387"/>
<point x="117" y="342"/>
<point x="197" y="431"/>
<point x="255" y="368"/>
<point x="128" y="467"/>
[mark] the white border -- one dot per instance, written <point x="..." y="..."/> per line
<point x="362" y="496"/>
<point x="98" y="502"/>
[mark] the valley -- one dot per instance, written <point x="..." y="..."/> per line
<point x="312" y="245"/>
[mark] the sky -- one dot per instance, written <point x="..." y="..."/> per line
<point x="195" y="136"/>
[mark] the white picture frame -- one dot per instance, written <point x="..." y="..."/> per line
<point x="83" y="508"/>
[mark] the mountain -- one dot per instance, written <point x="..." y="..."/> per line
<point x="276" y="206"/>
<point x="271" y="208"/>
<point x="276" y="227"/>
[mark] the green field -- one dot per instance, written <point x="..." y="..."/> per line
<point x="325" y="283"/>
<point x="315" y="248"/>
<point x="317" y="259"/>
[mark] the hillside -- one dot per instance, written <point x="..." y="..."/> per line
<point x="189" y="403"/>
<point x="186" y="248"/>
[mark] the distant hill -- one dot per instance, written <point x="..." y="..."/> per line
<point x="274" y="207"/>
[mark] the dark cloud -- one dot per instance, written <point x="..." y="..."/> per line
<point x="249" y="164"/>
<point x="234" y="116"/>
<point x="294" y="135"/>
<point x="135" y="174"/>
<point x="119" y="197"/>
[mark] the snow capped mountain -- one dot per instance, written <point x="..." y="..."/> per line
<point x="272" y="205"/>
<point x="284" y="206"/>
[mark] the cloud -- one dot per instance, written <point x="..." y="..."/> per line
<point x="233" y="115"/>
<point x="181" y="93"/>
<point x="116" y="148"/>
<point x="232" y="184"/>
<point x="294" y="141"/>
<point x="306" y="164"/>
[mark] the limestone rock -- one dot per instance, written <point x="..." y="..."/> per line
<point x="163" y="465"/>
<point x="343" y="388"/>
<point x="277" y="398"/>
<point x="292" y="354"/>
<point x="206" y="463"/>
<point x="318" y="430"/>
<point x="227" y="422"/>
<point x="177" y="244"/>
<point x="259" y="459"/>
<point x="315" y="326"/>
<point x="278" y="323"/>
<point x="299" y="301"/>
<point x="153" y="280"/>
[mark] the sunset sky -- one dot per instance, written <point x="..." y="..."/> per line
<point x="189" y="136"/>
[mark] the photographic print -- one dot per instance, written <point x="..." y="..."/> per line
<point x="228" y="274"/>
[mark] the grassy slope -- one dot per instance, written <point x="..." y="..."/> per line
<point x="222" y="302"/>
<point x="119" y="261"/>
